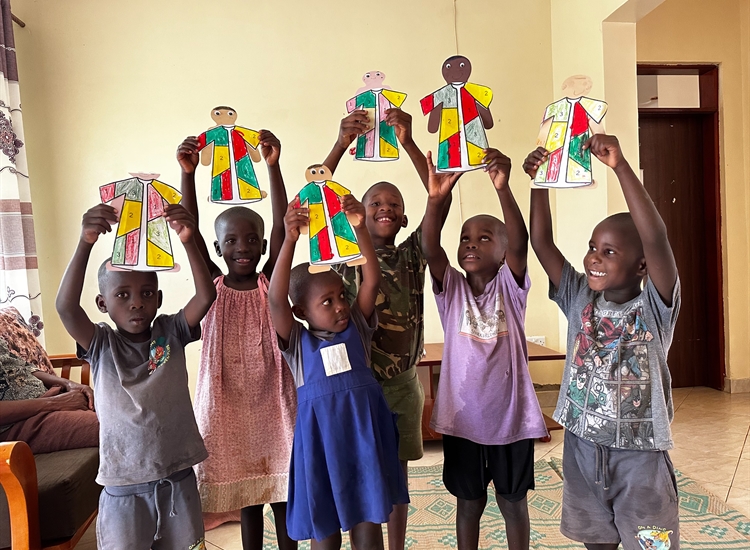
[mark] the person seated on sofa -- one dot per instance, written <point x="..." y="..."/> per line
<point x="47" y="412"/>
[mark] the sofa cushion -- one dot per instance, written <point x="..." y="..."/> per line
<point x="68" y="494"/>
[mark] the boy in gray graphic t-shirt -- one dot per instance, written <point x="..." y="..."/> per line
<point x="149" y="440"/>
<point x="615" y="399"/>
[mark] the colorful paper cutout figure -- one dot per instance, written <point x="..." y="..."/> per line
<point x="461" y="111"/>
<point x="379" y="143"/>
<point x="142" y="240"/>
<point x="332" y="238"/>
<point x="234" y="149"/>
<point x="566" y="126"/>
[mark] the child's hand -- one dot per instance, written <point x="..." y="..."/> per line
<point x="97" y="221"/>
<point x="534" y="160"/>
<point x="401" y="121"/>
<point x="181" y="221"/>
<point x="296" y="221"/>
<point x="351" y="126"/>
<point x="606" y="149"/>
<point x="439" y="184"/>
<point x="187" y="154"/>
<point x="270" y="147"/>
<point x="498" y="166"/>
<point x="354" y="210"/>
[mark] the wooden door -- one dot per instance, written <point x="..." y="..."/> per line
<point x="676" y="174"/>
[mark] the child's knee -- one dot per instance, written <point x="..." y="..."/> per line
<point x="513" y="510"/>
<point x="471" y="508"/>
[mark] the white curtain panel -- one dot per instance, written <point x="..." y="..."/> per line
<point x="19" y="270"/>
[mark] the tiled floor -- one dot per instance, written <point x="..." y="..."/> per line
<point x="711" y="432"/>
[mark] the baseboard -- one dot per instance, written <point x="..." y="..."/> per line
<point x="737" y="385"/>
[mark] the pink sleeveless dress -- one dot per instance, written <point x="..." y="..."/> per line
<point x="245" y="403"/>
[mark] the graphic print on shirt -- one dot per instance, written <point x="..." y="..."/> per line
<point x="158" y="354"/>
<point x="483" y="325"/>
<point x="608" y="397"/>
<point x="653" y="538"/>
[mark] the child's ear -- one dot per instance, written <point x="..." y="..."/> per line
<point x="298" y="312"/>
<point x="217" y="248"/>
<point x="101" y="305"/>
<point x="642" y="268"/>
<point x="265" y="246"/>
<point x="160" y="299"/>
<point x="404" y="221"/>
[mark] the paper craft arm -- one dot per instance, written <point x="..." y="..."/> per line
<point x="207" y="154"/>
<point x="484" y="113"/>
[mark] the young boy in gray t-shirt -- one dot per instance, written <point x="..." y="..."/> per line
<point x="149" y="440"/>
<point x="615" y="401"/>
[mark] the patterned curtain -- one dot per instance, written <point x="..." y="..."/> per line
<point x="19" y="273"/>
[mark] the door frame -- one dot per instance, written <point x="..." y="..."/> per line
<point x="708" y="82"/>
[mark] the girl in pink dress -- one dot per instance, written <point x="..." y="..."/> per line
<point x="245" y="399"/>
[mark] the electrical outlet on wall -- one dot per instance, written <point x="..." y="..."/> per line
<point x="537" y="340"/>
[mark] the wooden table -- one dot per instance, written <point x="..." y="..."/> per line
<point x="434" y="356"/>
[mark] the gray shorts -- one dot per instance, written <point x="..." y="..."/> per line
<point x="163" y="515"/>
<point x="616" y="495"/>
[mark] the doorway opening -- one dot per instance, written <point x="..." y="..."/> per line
<point x="678" y="119"/>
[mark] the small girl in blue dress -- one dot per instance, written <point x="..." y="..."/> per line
<point x="345" y="473"/>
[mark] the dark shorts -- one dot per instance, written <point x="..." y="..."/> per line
<point x="405" y="397"/>
<point x="469" y="467"/>
<point x="618" y="495"/>
<point x="159" y="515"/>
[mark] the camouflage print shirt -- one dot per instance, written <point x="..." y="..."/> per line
<point x="399" y="339"/>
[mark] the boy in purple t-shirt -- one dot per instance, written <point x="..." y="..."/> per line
<point x="486" y="407"/>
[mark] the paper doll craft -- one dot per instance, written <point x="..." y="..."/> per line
<point x="566" y="126"/>
<point x="332" y="238"/>
<point x="142" y="240"/>
<point x="460" y="110"/>
<point x="378" y="143"/>
<point x="234" y="149"/>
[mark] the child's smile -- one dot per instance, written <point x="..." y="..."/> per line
<point x="385" y="212"/>
<point x="614" y="262"/>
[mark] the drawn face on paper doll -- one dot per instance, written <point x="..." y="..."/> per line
<point x="131" y="298"/>
<point x="319" y="299"/>
<point x="224" y="116"/>
<point x="456" y="69"/>
<point x="576" y="86"/>
<point x="239" y="240"/>
<point x="373" y="79"/>
<point x="317" y="172"/>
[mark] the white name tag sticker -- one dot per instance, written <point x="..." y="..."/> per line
<point x="335" y="359"/>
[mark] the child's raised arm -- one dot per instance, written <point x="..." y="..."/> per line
<point x="187" y="156"/>
<point x="278" y="289"/>
<point x="368" y="288"/>
<point x="183" y="222"/>
<point x="660" y="262"/>
<point x="402" y="121"/>
<point x="352" y="125"/>
<point x="270" y="147"/>
<point x="96" y="221"/>
<point x="542" y="240"/>
<point x="498" y="166"/>
<point x="439" y="187"/>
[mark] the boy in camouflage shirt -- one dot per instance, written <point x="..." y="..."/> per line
<point x="399" y="339"/>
